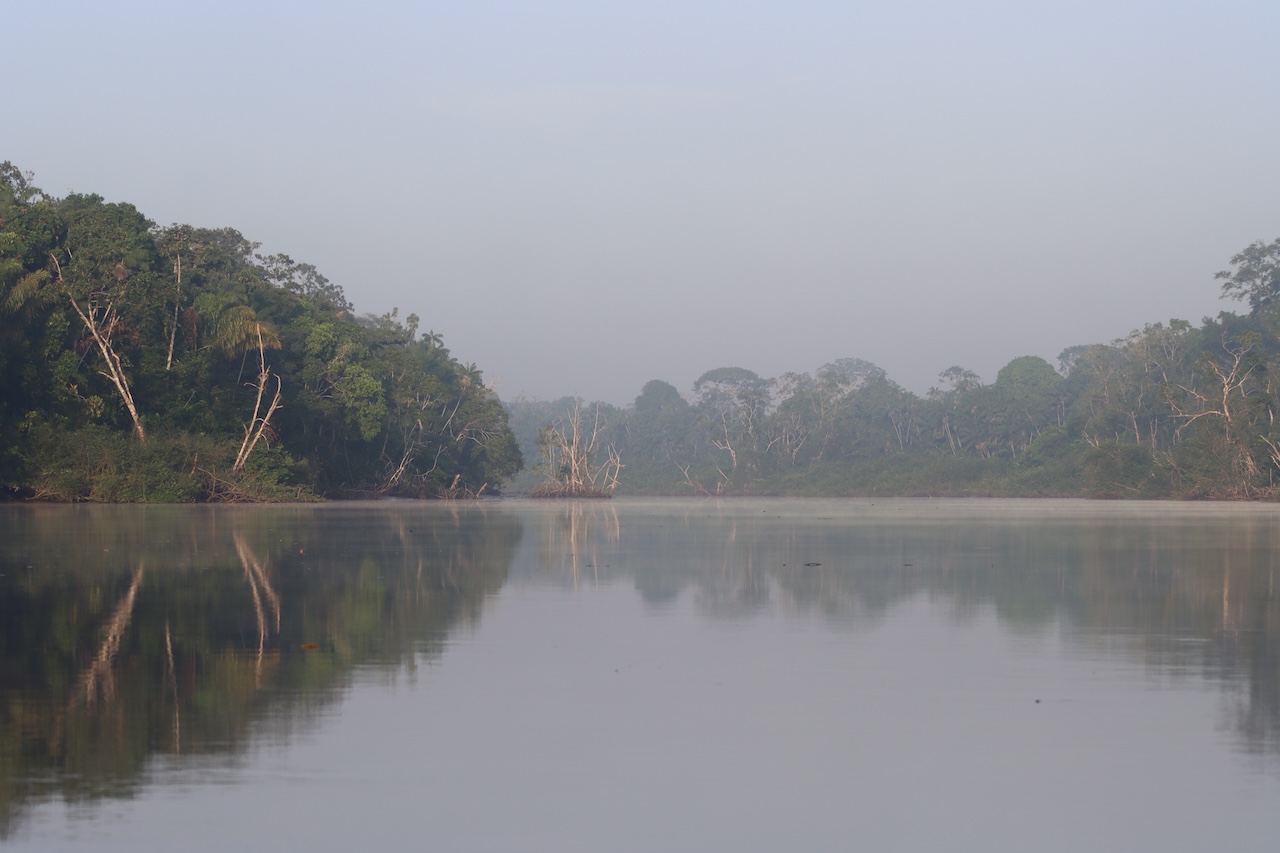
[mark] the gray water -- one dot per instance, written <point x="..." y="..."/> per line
<point x="641" y="675"/>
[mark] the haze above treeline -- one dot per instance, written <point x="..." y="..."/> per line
<point x="675" y="187"/>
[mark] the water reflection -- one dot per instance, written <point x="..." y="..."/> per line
<point x="131" y="632"/>
<point x="1185" y="589"/>
<point x="128" y="633"/>
<point x="572" y="534"/>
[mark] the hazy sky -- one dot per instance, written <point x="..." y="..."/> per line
<point x="583" y="196"/>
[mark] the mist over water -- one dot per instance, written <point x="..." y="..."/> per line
<point x="634" y="674"/>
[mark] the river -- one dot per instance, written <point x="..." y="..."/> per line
<point x="641" y="674"/>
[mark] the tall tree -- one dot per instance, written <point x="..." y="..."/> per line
<point x="106" y="271"/>
<point x="735" y="403"/>
<point x="1256" y="275"/>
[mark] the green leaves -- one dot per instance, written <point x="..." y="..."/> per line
<point x="359" y="394"/>
<point x="1256" y="277"/>
<point x="110" y="321"/>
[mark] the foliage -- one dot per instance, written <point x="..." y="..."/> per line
<point x="1256" y="275"/>
<point x="240" y="376"/>
<point x="253" y="378"/>
<point x="1170" y="410"/>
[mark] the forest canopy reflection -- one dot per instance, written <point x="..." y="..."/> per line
<point x="1185" y="589"/>
<point x="127" y="633"/>
<point x="131" y="633"/>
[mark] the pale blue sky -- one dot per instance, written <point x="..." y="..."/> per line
<point x="585" y="196"/>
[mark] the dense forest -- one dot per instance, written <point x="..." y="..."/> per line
<point x="145" y="363"/>
<point x="1171" y="410"/>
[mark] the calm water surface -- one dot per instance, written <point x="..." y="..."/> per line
<point x="641" y="675"/>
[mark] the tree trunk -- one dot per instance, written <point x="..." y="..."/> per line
<point x="101" y="325"/>
<point x="257" y="425"/>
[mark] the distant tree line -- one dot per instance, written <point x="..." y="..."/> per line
<point x="177" y="363"/>
<point x="1171" y="410"/>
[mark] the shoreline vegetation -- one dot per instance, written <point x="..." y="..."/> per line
<point x="1171" y="411"/>
<point x="141" y="363"/>
<point x="576" y="460"/>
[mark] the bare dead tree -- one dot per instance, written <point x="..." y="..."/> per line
<point x="692" y="480"/>
<point x="258" y="426"/>
<point x="177" y="306"/>
<point x="101" y="321"/>
<point x="571" y="458"/>
<point x="1229" y="381"/>
<point x="1223" y="400"/>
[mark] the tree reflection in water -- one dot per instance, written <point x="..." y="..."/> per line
<point x="1185" y="589"/>
<point x="132" y="632"/>
<point x="128" y="633"/>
